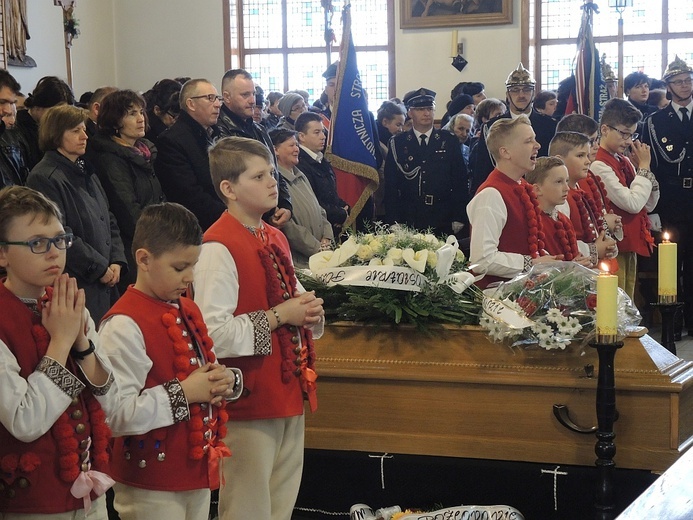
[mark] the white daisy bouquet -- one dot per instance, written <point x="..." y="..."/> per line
<point x="551" y="305"/>
<point x="397" y="275"/>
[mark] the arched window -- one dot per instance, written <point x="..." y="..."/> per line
<point x="282" y="43"/>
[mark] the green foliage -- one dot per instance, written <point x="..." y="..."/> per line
<point x="436" y="304"/>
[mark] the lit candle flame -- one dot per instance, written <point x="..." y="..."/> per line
<point x="665" y="237"/>
<point x="604" y="268"/>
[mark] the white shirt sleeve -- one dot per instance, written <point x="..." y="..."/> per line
<point x="633" y="199"/>
<point x="139" y="411"/>
<point x="487" y="217"/>
<point x="216" y="294"/>
<point x="29" y="407"/>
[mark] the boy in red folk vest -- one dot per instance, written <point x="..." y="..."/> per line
<point x="53" y="382"/>
<point x="550" y="181"/>
<point x="259" y="318"/>
<point x="591" y="231"/>
<point x="170" y="422"/>
<point x="592" y="186"/>
<point x="631" y="193"/>
<point x="506" y="234"/>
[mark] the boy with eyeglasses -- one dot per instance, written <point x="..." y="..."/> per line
<point x="631" y="192"/>
<point x="53" y="381"/>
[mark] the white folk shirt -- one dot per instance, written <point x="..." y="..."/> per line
<point x="216" y="294"/>
<point x="487" y="217"/>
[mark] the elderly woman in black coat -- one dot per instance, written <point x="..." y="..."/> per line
<point x="96" y="258"/>
<point x="124" y="162"/>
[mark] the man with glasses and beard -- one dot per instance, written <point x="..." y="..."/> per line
<point x="669" y="132"/>
<point x="520" y="96"/>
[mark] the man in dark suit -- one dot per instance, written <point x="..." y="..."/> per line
<point x="425" y="175"/>
<point x="520" y="96"/>
<point x="182" y="164"/>
<point x="669" y="132"/>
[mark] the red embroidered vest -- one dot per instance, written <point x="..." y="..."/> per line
<point x="274" y="383"/>
<point x="522" y="233"/>
<point x="175" y="458"/>
<point x="31" y="477"/>
<point x="636" y="233"/>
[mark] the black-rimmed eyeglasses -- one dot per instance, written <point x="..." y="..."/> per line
<point x="625" y="135"/>
<point x="209" y="97"/>
<point x="42" y="245"/>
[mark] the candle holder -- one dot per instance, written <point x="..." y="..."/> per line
<point x="668" y="311"/>
<point x="605" y="447"/>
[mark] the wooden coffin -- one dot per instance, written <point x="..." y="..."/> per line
<point x="457" y="394"/>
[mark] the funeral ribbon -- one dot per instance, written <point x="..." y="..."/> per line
<point x="327" y="267"/>
<point x="458" y="282"/>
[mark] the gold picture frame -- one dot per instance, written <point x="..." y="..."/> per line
<point x="415" y="14"/>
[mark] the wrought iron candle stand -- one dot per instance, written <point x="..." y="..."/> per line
<point x="668" y="311"/>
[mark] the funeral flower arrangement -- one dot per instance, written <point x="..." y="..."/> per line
<point x="551" y="305"/>
<point x="395" y="275"/>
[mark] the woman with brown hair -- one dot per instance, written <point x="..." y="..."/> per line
<point x="96" y="257"/>
<point x="124" y="162"/>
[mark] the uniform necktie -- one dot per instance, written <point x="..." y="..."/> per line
<point x="423" y="140"/>
<point x="684" y="115"/>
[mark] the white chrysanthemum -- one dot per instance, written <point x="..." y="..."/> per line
<point x="573" y="327"/>
<point x="542" y="331"/>
<point x="376" y="261"/>
<point x="553" y="315"/>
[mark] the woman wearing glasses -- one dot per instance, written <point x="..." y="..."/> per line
<point x="96" y="257"/>
<point x="124" y="162"/>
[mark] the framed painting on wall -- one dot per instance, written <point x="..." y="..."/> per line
<point x="454" y="13"/>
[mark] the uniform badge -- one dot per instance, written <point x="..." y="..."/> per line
<point x="664" y="139"/>
<point x="670" y="147"/>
